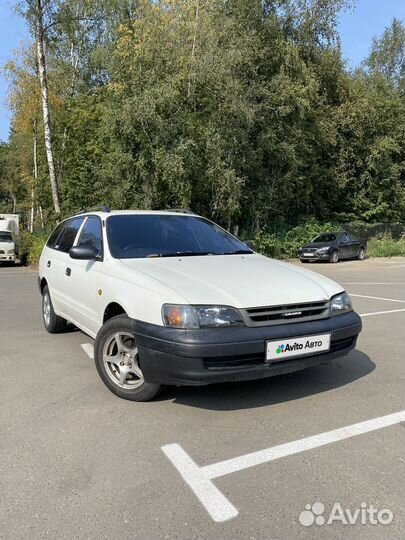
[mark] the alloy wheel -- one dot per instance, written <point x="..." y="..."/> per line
<point x="46" y="309"/>
<point x="121" y="361"/>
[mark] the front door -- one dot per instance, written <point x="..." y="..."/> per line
<point x="60" y="256"/>
<point x="83" y="278"/>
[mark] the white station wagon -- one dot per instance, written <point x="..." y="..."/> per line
<point x="171" y="298"/>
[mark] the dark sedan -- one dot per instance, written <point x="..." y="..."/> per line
<point x="333" y="247"/>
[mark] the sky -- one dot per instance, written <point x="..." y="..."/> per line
<point x="357" y="27"/>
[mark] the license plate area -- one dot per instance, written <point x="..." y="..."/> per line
<point x="283" y="349"/>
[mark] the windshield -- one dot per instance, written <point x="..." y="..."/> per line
<point x="324" y="238"/>
<point x="156" y="235"/>
<point x="5" y="236"/>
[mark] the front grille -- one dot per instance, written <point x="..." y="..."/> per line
<point x="263" y="316"/>
<point x="222" y="363"/>
<point x="309" y="250"/>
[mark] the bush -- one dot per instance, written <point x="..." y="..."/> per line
<point x="30" y="247"/>
<point x="268" y="244"/>
<point x="386" y="246"/>
<point x="286" y="243"/>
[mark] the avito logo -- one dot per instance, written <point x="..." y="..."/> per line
<point x="298" y="346"/>
<point x="288" y="348"/>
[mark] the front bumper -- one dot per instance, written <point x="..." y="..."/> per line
<point x="196" y="357"/>
<point x="7" y="258"/>
<point x="313" y="256"/>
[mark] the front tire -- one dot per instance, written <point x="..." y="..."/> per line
<point x="117" y="361"/>
<point x="334" y="257"/>
<point x="52" y="322"/>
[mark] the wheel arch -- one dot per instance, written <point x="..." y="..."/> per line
<point x="42" y="284"/>
<point x="112" y="310"/>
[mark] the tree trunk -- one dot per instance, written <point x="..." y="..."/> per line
<point x="190" y="75"/>
<point x="39" y="36"/>
<point x="35" y="176"/>
<point x="74" y="64"/>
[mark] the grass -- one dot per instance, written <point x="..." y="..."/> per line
<point x="386" y="247"/>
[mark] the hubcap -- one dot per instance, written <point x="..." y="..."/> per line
<point x="46" y="309"/>
<point x="121" y="362"/>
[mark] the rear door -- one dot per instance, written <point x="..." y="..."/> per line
<point x="354" y="245"/>
<point x="344" y="246"/>
<point x="47" y="264"/>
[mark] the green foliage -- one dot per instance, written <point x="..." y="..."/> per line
<point x="268" y="244"/>
<point x="386" y="246"/>
<point x="285" y="243"/>
<point x="242" y="110"/>
<point x="30" y="247"/>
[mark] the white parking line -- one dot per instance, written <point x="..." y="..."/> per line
<point x="381" y="312"/>
<point x="217" y="505"/>
<point x="373" y="282"/>
<point x="377" y="298"/>
<point x="88" y="349"/>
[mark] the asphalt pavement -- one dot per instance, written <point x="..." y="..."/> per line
<point x="77" y="462"/>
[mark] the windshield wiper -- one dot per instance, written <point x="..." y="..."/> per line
<point x="180" y="254"/>
<point x="238" y="252"/>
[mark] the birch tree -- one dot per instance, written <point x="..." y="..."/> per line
<point x="39" y="14"/>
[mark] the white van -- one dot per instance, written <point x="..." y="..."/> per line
<point x="9" y="229"/>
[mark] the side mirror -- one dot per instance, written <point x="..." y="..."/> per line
<point x="83" y="253"/>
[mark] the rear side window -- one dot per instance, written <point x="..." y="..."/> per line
<point x="52" y="241"/>
<point x="92" y="235"/>
<point x="65" y="242"/>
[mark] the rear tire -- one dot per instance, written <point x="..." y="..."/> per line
<point x="334" y="257"/>
<point x="52" y="322"/>
<point x="362" y="254"/>
<point x="117" y="361"/>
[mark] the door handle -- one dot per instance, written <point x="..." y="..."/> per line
<point x="48" y="264"/>
<point x="68" y="271"/>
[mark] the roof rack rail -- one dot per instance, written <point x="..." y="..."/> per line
<point x="93" y="209"/>
<point x="180" y="210"/>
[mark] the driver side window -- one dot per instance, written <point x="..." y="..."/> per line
<point x="92" y="235"/>
<point x="66" y="240"/>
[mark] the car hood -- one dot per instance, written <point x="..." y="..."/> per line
<point x="318" y="245"/>
<point x="6" y="245"/>
<point x="237" y="280"/>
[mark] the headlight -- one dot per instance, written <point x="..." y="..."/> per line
<point x="10" y="252"/>
<point x="178" y="316"/>
<point x="323" y="250"/>
<point x="340" y="304"/>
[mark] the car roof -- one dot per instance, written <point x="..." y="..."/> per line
<point x="106" y="213"/>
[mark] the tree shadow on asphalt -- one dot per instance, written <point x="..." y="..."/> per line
<point x="278" y="389"/>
